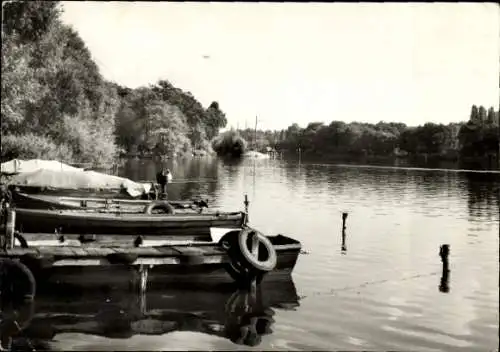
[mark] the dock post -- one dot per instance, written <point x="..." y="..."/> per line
<point x="246" y="202"/>
<point x="10" y="228"/>
<point x="343" y="246"/>
<point x="143" y="279"/>
<point x="444" y="252"/>
<point x="344" y="218"/>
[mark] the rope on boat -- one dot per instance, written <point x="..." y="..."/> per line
<point x="334" y="291"/>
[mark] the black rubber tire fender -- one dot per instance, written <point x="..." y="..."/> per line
<point x="267" y="265"/>
<point x="241" y="272"/>
<point x="161" y="204"/>
<point x="17" y="281"/>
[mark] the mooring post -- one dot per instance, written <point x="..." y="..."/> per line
<point x="10" y="228"/>
<point x="444" y="252"/>
<point x="246" y="202"/>
<point x="143" y="279"/>
<point x="343" y="246"/>
<point x="344" y="218"/>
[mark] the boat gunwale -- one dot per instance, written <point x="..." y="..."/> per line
<point x="78" y="214"/>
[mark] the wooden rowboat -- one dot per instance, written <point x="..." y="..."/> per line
<point x="228" y="258"/>
<point x="45" y="201"/>
<point x="92" y="222"/>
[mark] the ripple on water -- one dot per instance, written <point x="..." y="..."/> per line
<point x="383" y="291"/>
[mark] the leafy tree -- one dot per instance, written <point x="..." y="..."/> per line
<point x="29" y="20"/>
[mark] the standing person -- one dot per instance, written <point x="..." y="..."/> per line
<point x="163" y="177"/>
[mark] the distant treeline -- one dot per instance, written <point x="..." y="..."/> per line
<point x="55" y="103"/>
<point x="477" y="138"/>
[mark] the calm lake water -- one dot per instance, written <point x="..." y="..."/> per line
<point x="382" y="291"/>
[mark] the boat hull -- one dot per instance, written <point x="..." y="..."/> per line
<point x="90" y="267"/>
<point x="58" y="202"/>
<point x="81" y="222"/>
<point x="69" y="192"/>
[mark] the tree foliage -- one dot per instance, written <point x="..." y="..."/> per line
<point x="52" y="91"/>
<point x="163" y="119"/>
<point x="479" y="137"/>
<point x="229" y="144"/>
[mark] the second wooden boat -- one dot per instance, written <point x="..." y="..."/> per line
<point x="92" y="222"/>
<point x="45" y="201"/>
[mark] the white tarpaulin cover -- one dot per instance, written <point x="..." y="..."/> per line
<point x="78" y="179"/>
<point x="17" y="165"/>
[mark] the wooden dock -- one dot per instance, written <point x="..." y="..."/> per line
<point x="88" y="265"/>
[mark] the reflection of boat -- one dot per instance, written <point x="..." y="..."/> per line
<point x="243" y="317"/>
<point x="92" y="222"/>
<point x="47" y="201"/>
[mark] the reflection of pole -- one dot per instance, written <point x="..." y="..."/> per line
<point x="142" y="302"/>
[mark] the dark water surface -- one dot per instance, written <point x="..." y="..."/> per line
<point x="382" y="291"/>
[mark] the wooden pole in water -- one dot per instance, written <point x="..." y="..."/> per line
<point x="10" y="228"/>
<point x="344" y="218"/>
<point x="444" y="252"/>
<point x="143" y="272"/>
<point x="246" y="202"/>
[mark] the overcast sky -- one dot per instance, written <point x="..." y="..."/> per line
<point x="303" y="62"/>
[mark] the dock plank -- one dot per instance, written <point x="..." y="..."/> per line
<point x="78" y="251"/>
<point x="56" y="250"/>
<point x="167" y="251"/>
<point x="94" y="251"/>
<point x="18" y="251"/>
<point x="212" y="250"/>
<point x="143" y="251"/>
<point x="188" y="250"/>
<point x="167" y="254"/>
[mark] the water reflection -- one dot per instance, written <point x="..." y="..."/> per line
<point x="243" y="317"/>
<point x="483" y="194"/>
<point x="343" y="247"/>
<point x="393" y="186"/>
<point x="397" y="220"/>
<point x="193" y="177"/>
